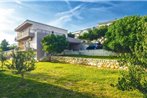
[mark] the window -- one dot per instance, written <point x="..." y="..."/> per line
<point x="52" y="32"/>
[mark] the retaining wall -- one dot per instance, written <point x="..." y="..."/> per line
<point x="101" y="63"/>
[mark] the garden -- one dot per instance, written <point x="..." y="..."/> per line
<point x="22" y="77"/>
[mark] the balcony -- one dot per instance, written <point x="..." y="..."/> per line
<point x="24" y="35"/>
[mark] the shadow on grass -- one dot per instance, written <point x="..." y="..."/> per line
<point x="10" y="87"/>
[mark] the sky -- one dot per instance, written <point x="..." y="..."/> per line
<point x="71" y="15"/>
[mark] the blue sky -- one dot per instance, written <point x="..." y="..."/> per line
<point x="70" y="15"/>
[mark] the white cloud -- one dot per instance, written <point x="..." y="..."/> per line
<point x="5" y="21"/>
<point x="8" y="21"/>
<point x="63" y="17"/>
<point x="18" y="1"/>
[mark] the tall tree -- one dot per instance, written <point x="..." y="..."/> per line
<point x="71" y="35"/>
<point x="4" y="45"/>
<point x="122" y="34"/>
<point x="128" y="37"/>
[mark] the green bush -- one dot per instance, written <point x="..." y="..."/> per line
<point x="22" y="61"/>
<point x="2" y="59"/>
<point x="133" y="79"/>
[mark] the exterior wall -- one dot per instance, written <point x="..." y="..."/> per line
<point x="33" y="41"/>
<point x="40" y="52"/>
<point x="99" y="52"/>
<point x="21" y="45"/>
<point x="28" y="43"/>
<point x="73" y="46"/>
<point x="48" y="28"/>
<point x="23" y="32"/>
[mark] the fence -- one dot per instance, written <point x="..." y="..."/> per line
<point x="98" y="52"/>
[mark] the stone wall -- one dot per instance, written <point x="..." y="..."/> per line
<point x="101" y="63"/>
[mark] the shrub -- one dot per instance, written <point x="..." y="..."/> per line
<point x="2" y="59"/>
<point x="22" y="62"/>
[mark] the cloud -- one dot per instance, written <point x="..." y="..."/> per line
<point x="18" y="1"/>
<point x="5" y="19"/>
<point x="8" y="21"/>
<point x="66" y="16"/>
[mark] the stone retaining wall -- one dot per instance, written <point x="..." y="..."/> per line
<point x="101" y="63"/>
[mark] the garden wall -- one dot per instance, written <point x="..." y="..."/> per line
<point x="98" y="52"/>
<point x="101" y="63"/>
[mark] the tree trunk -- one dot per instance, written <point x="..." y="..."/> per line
<point x="2" y="65"/>
<point x="49" y="58"/>
<point x="22" y="76"/>
<point x="22" y="82"/>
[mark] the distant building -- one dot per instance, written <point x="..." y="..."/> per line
<point x="107" y="23"/>
<point x="81" y="32"/>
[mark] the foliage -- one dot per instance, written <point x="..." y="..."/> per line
<point x="94" y="33"/>
<point x="2" y="59"/>
<point x="22" y="61"/>
<point x="122" y="34"/>
<point x="128" y="37"/>
<point x="13" y="46"/>
<point x="4" y="45"/>
<point x="54" y="43"/>
<point x="71" y="35"/>
<point x="134" y="79"/>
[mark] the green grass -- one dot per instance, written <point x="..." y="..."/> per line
<point x="96" y="57"/>
<point x="56" y="80"/>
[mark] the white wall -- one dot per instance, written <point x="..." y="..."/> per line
<point x="48" y="28"/>
<point x="99" y="52"/>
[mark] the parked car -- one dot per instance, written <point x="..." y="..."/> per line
<point x="95" y="46"/>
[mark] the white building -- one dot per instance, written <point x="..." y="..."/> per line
<point x="30" y="34"/>
<point x="81" y="32"/>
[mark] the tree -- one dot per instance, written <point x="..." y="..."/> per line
<point x="4" y="45"/>
<point x="101" y="31"/>
<point x="94" y="33"/>
<point x="128" y="37"/>
<point x="13" y="46"/>
<point x="88" y="35"/>
<point x="54" y="43"/>
<point x="2" y="59"/>
<point x="122" y="34"/>
<point x="22" y="62"/>
<point x="71" y="35"/>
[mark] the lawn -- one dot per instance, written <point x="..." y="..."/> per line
<point x="56" y="80"/>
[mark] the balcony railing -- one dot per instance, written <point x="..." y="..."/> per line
<point x="31" y="33"/>
<point x="24" y="35"/>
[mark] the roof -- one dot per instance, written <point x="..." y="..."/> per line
<point x="27" y="23"/>
<point x="79" y="31"/>
<point x="73" y="40"/>
<point x="106" y="22"/>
